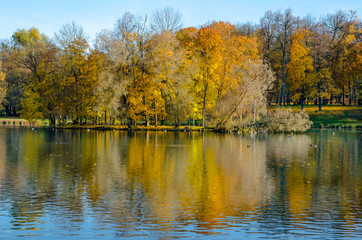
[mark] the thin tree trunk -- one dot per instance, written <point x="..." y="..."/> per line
<point x="105" y="117"/>
<point x="254" y="113"/>
<point x="283" y="79"/>
<point x="204" y="108"/>
<point x="343" y="96"/>
<point x="319" y="99"/>
<point x="156" y="119"/>
<point x="193" y="116"/>
<point x="147" y="121"/>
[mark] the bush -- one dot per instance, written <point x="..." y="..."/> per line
<point x="288" y="121"/>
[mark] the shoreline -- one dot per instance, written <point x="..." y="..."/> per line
<point x="174" y="129"/>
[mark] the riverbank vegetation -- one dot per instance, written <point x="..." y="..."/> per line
<point x="219" y="75"/>
<point x="333" y="116"/>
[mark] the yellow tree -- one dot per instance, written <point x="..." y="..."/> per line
<point x="354" y="66"/>
<point x="300" y="68"/>
<point x="229" y="49"/>
<point x="172" y="76"/>
<point x="2" y="85"/>
<point x="79" y="72"/>
<point x="189" y="69"/>
<point x="349" y="63"/>
<point x="208" y="49"/>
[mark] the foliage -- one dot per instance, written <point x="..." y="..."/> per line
<point x="2" y="85"/>
<point x="221" y="75"/>
<point x="282" y="120"/>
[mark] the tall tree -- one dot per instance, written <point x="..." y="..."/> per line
<point x="79" y="75"/>
<point x="285" y="23"/>
<point x="275" y="31"/>
<point x="31" y="57"/>
<point x="300" y="68"/>
<point x="208" y="53"/>
<point x="169" y="66"/>
<point x="340" y="29"/>
<point x="253" y="79"/>
<point x="111" y="89"/>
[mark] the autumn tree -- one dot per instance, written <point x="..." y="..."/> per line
<point x="276" y="29"/>
<point x="79" y="72"/>
<point x="171" y="74"/>
<point x="2" y="85"/>
<point x="30" y="59"/>
<point x="111" y="89"/>
<point x="300" y="69"/>
<point x="318" y="44"/>
<point x="141" y="92"/>
<point x="207" y="51"/>
<point x="253" y="80"/>
<point x="341" y="27"/>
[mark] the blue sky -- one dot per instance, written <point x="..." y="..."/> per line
<point x="94" y="15"/>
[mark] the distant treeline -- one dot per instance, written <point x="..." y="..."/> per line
<point x="157" y="71"/>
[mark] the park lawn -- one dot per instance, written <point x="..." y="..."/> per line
<point x="332" y="115"/>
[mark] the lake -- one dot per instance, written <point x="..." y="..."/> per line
<point x="75" y="184"/>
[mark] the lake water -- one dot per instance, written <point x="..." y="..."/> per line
<point x="73" y="184"/>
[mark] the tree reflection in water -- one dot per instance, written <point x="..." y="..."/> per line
<point x="179" y="184"/>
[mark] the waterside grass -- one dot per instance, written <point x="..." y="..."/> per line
<point x="332" y="116"/>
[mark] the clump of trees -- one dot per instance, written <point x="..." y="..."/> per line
<point x="315" y="61"/>
<point x="282" y="120"/>
<point x="219" y="74"/>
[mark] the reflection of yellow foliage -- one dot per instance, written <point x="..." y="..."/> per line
<point x="175" y="177"/>
<point x="2" y="76"/>
<point x="300" y="192"/>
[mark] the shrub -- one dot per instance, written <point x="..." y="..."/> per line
<point x="282" y="120"/>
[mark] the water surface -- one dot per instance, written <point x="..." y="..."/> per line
<point x="73" y="184"/>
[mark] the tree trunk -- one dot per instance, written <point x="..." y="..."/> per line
<point x="147" y="121"/>
<point x="204" y="108"/>
<point x="193" y="116"/>
<point x="355" y="96"/>
<point x="343" y="96"/>
<point x="105" y="117"/>
<point x="301" y="102"/>
<point x="254" y="113"/>
<point x="156" y="124"/>
<point x="319" y="99"/>
<point x="283" y="79"/>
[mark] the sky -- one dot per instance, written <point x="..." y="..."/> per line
<point x="94" y="15"/>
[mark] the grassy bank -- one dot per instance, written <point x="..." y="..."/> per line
<point x="335" y="116"/>
<point x="332" y="116"/>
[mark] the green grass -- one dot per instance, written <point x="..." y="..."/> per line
<point x="332" y="115"/>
